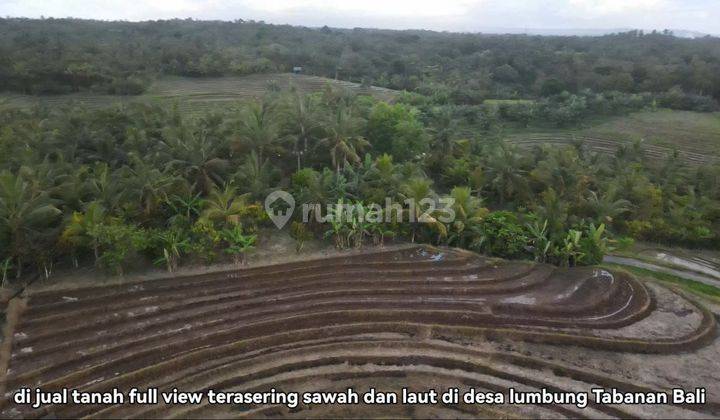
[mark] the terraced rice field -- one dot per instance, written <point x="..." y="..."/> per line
<point x="611" y="145"/>
<point x="196" y="95"/>
<point x="705" y="262"/>
<point x="696" y="136"/>
<point x="408" y="316"/>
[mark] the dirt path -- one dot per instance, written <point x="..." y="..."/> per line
<point x="632" y="262"/>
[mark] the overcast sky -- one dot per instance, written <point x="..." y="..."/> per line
<point x="450" y="15"/>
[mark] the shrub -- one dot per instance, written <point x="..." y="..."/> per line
<point x="502" y="236"/>
<point x="300" y="233"/>
<point x="237" y="243"/>
<point x="119" y="243"/>
<point x="170" y="244"/>
<point x="593" y="245"/>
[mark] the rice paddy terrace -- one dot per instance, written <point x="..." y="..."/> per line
<point x="411" y="316"/>
<point x="694" y="135"/>
<point x="611" y="145"/>
<point x="196" y="95"/>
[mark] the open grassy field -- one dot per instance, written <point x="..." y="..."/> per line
<point x="695" y="135"/>
<point x="195" y="95"/>
<point x="402" y="316"/>
<point x="498" y="102"/>
<point x="686" y="130"/>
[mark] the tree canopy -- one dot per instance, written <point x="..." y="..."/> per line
<point x="66" y="55"/>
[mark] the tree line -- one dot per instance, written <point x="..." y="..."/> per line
<point x="50" y="56"/>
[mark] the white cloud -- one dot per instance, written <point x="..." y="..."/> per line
<point x="378" y="7"/>
<point x="452" y="15"/>
<point x="177" y="5"/>
<point x="604" y="7"/>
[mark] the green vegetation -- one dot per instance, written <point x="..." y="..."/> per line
<point x="178" y="172"/>
<point x="195" y="96"/>
<point x="662" y="131"/>
<point x="54" y="56"/>
<point x="685" y="130"/>
<point x="116" y="187"/>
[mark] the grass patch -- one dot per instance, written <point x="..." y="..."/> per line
<point x="705" y="290"/>
<point x="688" y="131"/>
<point x="195" y="95"/>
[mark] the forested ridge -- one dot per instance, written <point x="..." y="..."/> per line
<point x="66" y="55"/>
<point x="144" y="182"/>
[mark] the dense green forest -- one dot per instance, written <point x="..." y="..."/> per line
<point x="66" y="55"/>
<point x="144" y="182"/>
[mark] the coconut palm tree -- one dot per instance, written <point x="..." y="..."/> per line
<point x="444" y="126"/>
<point x="26" y="217"/>
<point x="416" y="192"/>
<point x="300" y="112"/>
<point x="106" y="186"/>
<point x="467" y="207"/>
<point x="319" y="188"/>
<point x="563" y="170"/>
<point x="606" y="207"/>
<point x="256" y="176"/>
<point x="151" y="185"/>
<point x="73" y="187"/>
<point x="380" y="180"/>
<point x="343" y="139"/>
<point x="195" y="156"/>
<point x="504" y="174"/>
<point x="258" y="130"/>
<point x="553" y="209"/>
<point x="225" y="206"/>
<point x="468" y="212"/>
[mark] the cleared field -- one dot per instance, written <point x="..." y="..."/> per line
<point x="409" y="316"/>
<point x="498" y="102"/>
<point x="696" y="136"/>
<point x="93" y="101"/>
<point x="686" y="130"/>
<point x="196" y="95"/>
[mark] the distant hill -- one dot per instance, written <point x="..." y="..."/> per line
<point x="63" y="56"/>
<point x="680" y="33"/>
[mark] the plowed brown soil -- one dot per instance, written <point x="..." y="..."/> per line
<point x="415" y="317"/>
